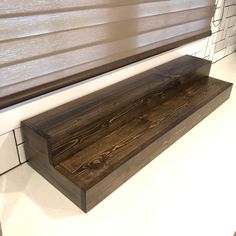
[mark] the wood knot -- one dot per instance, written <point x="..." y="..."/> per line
<point x="96" y="164"/>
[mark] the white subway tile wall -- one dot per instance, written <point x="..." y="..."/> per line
<point x="223" y="39"/>
<point x="220" y="44"/>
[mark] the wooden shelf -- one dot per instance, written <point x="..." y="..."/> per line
<point x="89" y="147"/>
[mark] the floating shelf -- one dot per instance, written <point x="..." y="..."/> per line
<point x="89" y="147"/>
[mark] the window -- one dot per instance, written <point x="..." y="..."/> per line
<point x="52" y="44"/>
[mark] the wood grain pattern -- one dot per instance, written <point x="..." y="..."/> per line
<point x="85" y="116"/>
<point x="99" y="159"/>
<point x="42" y="44"/>
<point x="90" y="146"/>
<point x="39" y="161"/>
<point x="101" y="190"/>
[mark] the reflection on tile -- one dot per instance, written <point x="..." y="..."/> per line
<point x="8" y="152"/>
<point x="21" y="153"/>
<point x="19" y="138"/>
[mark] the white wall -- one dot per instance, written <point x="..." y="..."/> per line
<point x="219" y="45"/>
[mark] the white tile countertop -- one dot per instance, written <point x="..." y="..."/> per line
<point x="189" y="190"/>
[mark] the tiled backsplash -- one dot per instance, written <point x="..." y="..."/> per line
<point x="220" y="44"/>
<point x="223" y="39"/>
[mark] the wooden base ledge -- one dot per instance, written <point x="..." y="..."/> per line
<point x="89" y="147"/>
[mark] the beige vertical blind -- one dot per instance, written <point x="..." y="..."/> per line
<point x="46" y="45"/>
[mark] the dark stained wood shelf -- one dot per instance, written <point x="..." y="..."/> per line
<point x="87" y="148"/>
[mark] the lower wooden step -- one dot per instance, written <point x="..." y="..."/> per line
<point x="91" y="174"/>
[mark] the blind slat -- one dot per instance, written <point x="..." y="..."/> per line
<point x="47" y="79"/>
<point x="45" y="45"/>
<point x="41" y="6"/>
<point x="39" y="67"/>
<point x="18" y="27"/>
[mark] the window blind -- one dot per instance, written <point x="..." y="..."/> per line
<point x="46" y="45"/>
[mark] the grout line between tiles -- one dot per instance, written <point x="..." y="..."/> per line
<point x="10" y="169"/>
<point x="223" y="57"/>
<point x="20" y="143"/>
<point x="17" y="150"/>
<point x="6" y="132"/>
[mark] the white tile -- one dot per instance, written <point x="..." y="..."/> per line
<point x="219" y="55"/>
<point x="21" y="152"/>
<point x="231" y="30"/>
<point x="220" y="45"/>
<point x="200" y="54"/>
<point x="223" y="23"/>
<point x="231" y="11"/>
<point x="8" y="152"/>
<point x="219" y="3"/>
<point x="18" y="134"/>
<point x="229" y="2"/>
<point x="230" y="49"/>
<point x="216" y="27"/>
<point x="195" y="47"/>
<point x="232" y="40"/>
<point x="218" y="14"/>
<point x="211" y="54"/>
<point x="232" y="21"/>
<point x="217" y="36"/>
